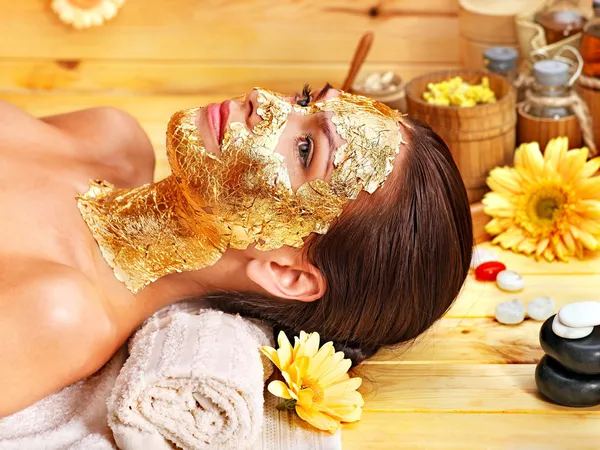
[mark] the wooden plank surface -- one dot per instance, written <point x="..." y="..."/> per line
<point x="456" y="387"/>
<point x="184" y="77"/>
<point x="469" y="341"/>
<point x="472" y="431"/>
<point x="241" y="31"/>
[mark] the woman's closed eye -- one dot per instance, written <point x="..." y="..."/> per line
<point x="305" y="150"/>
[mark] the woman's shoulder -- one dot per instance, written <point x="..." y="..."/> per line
<point x="56" y="297"/>
<point x="110" y="137"/>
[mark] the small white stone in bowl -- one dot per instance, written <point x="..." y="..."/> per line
<point x="540" y="308"/>
<point x="560" y="329"/>
<point x="580" y="314"/>
<point x="387" y="78"/>
<point x="509" y="280"/>
<point x="482" y="255"/>
<point x="510" y="312"/>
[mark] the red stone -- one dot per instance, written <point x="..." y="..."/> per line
<point x="488" y="271"/>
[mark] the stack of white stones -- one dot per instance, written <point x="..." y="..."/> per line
<point x="577" y="320"/>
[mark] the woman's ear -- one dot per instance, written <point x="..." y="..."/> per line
<point x="302" y="282"/>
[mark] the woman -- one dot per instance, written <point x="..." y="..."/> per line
<point x="325" y="212"/>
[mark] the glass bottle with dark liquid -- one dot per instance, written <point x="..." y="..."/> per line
<point x="561" y="20"/>
<point x="590" y="44"/>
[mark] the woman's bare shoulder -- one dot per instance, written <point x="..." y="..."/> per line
<point x="53" y="332"/>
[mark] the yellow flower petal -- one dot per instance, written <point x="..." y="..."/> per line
<point x="279" y="389"/>
<point x="305" y="398"/>
<point x="344" y="387"/>
<point x="505" y="181"/>
<point x="541" y="247"/>
<point x="590" y="226"/>
<point x="591" y="167"/>
<point x="569" y="241"/>
<point x="585" y="238"/>
<point x="271" y="353"/>
<point x="318" y="419"/>
<point x="319" y="363"/>
<point x="497" y="206"/>
<point x="310" y="347"/>
<point x="336" y="373"/>
<point x="284" y="352"/>
<point x="533" y="159"/>
<point x="588" y="208"/>
<point x="574" y="163"/>
<point x="527" y="246"/>
<point x="588" y="188"/>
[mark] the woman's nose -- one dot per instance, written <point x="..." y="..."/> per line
<point x="250" y="109"/>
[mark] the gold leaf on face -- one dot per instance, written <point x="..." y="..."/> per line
<point x="241" y="197"/>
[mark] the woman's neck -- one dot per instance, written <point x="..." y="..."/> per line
<point x="149" y="232"/>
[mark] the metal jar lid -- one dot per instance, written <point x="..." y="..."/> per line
<point x="501" y="59"/>
<point x="551" y="73"/>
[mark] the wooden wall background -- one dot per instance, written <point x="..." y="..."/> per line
<point x="158" y="56"/>
<point x="220" y="46"/>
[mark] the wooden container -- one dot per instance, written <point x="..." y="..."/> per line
<point x="488" y="23"/>
<point x="592" y="98"/>
<point x="541" y="130"/>
<point x="481" y="137"/>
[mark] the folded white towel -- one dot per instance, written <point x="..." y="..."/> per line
<point x="75" y="418"/>
<point x="194" y="378"/>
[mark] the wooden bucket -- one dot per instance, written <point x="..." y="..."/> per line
<point x="481" y="137"/>
<point x="487" y="23"/>
<point x="540" y="130"/>
<point x="592" y="98"/>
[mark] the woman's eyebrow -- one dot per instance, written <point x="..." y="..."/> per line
<point x="323" y="92"/>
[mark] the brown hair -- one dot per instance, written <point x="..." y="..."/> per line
<point x="394" y="261"/>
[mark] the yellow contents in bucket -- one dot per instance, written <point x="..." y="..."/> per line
<point x="456" y="92"/>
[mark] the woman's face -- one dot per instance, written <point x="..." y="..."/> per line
<point x="272" y="169"/>
<point x="307" y="143"/>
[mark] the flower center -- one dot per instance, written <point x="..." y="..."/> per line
<point x="85" y="4"/>
<point x="545" y="210"/>
<point x="316" y="388"/>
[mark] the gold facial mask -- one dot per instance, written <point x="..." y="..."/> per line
<point x="242" y="196"/>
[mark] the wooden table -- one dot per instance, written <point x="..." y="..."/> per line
<point x="469" y="382"/>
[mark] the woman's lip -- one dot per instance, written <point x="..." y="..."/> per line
<point x="213" y="113"/>
<point x="218" y="113"/>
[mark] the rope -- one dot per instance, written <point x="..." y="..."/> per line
<point x="579" y="107"/>
<point x="590" y="82"/>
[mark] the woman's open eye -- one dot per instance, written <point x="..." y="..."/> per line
<point x="305" y="148"/>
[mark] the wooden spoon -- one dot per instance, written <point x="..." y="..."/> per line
<point x="362" y="50"/>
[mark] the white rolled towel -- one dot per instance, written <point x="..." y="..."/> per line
<point x="194" y="379"/>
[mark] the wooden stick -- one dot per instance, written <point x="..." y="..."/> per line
<point x="362" y="50"/>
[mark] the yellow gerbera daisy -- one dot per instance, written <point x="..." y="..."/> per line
<point x="317" y="383"/>
<point x="86" y="13"/>
<point x="546" y="205"/>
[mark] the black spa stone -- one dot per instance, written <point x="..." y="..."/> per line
<point x="565" y="387"/>
<point x="579" y="355"/>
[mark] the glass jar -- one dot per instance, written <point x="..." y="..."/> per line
<point x="552" y="80"/>
<point x="502" y="60"/>
<point x="560" y="20"/>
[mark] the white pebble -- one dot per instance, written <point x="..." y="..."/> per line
<point x="580" y="314"/>
<point x="372" y="80"/>
<point x="387" y="78"/>
<point x="482" y="255"/>
<point x="509" y="280"/>
<point x="511" y="312"/>
<point x="540" y="308"/>
<point x="560" y="329"/>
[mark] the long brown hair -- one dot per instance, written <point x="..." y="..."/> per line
<point x="394" y="261"/>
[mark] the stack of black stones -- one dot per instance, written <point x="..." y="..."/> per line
<point x="569" y="372"/>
